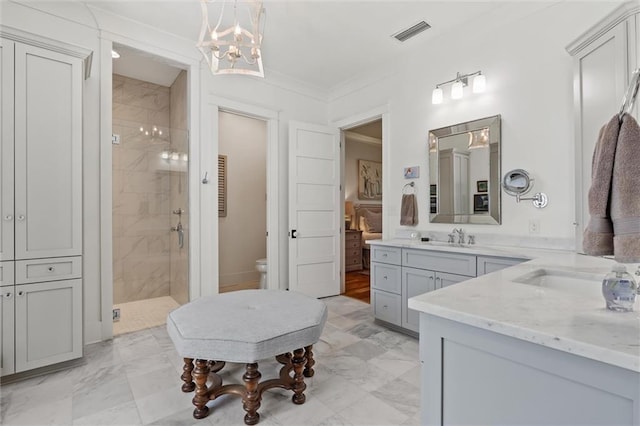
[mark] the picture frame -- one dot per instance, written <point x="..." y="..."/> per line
<point x="480" y="203"/>
<point x="369" y="180"/>
<point x="482" y="185"/>
<point x="433" y="190"/>
<point x="412" y="172"/>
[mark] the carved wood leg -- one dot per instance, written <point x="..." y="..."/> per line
<point x="308" y="367"/>
<point x="186" y="377"/>
<point x="251" y="398"/>
<point x="200" y="374"/>
<point x="298" y="378"/>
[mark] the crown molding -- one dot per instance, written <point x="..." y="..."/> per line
<point x="357" y="137"/>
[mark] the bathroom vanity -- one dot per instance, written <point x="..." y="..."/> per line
<point x="401" y="269"/>
<point x="529" y="344"/>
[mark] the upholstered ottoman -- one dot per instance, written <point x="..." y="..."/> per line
<point x="246" y="327"/>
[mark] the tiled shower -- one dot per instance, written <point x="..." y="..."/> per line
<point x="150" y="199"/>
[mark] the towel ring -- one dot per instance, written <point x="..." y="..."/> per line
<point x="411" y="185"/>
<point x="630" y="96"/>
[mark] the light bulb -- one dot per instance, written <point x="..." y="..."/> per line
<point x="214" y="35"/>
<point x="114" y="54"/>
<point x="142" y="129"/>
<point x="456" y="90"/>
<point x="164" y="155"/>
<point x="237" y="31"/>
<point x="175" y="156"/>
<point x="146" y="133"/>
<point x="160" y="132"/>
<point x="436" y="96"/>
<point x="185" y="157"/>
<point x="479" y="83"/>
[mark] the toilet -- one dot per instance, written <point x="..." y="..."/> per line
<point x="261" y="266"/>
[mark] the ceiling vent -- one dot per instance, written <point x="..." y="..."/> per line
<point x="411" y="31"/>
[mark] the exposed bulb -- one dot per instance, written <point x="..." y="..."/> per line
<point x="142" y="129"/>
<point x="164" y="155"/>
<point x="175" y="156"/>
<point x="237" y="31"/>
<point x="214" y="35"/>
<point x="185" y="157"/>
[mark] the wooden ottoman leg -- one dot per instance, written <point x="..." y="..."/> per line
<point x="298" y="377"/>
<point x="200" y="374"/>
<point x="308" y="367"/>
<point x="186" y="377"/>
<point x="251" y="398"/>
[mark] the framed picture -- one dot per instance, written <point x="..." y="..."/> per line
<point x="432" y="190"/>
<point x="482" y="186"/>
<point x="369" y="180"/>
<point x="412" y="172"/>
<point x="480" y="203"/>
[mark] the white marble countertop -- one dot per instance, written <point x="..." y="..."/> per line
<point x="571" y="321"/>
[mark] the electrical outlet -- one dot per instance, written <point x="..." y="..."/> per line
<point x="116" y="315"/>
<point x="534" y="226"/>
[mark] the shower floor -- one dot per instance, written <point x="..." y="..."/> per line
<point x="143" y="314"/>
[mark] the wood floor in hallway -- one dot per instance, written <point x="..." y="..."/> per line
<point x="357" y="285"/>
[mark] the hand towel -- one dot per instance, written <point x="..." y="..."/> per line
<point x="598" y="236"/>
<point x="409" y="210"/>
<point x="625" y="193"/>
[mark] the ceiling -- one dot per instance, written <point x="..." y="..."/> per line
<point x="326" y="43"/>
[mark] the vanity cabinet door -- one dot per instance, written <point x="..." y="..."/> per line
<point x="487" y="265"/>
<point x="445" y="280"/>
<point x="414" y="283"/>
<point x="453" y="263"/>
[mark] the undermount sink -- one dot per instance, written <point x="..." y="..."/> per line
<point x="566" y="281"/>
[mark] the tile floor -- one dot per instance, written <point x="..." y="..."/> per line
<point x="365" y="375"/>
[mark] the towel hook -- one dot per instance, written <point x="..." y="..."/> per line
<point x="631" y="95"/>
<point x="411" y="185"/>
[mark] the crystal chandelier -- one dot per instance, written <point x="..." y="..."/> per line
<point x="233" y="49"/>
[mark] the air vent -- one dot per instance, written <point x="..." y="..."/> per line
<point x="412" y="31"/>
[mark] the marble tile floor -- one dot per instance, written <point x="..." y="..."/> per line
<point x="365" y="375"/>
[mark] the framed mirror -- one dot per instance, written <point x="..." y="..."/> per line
<point x="464" y="172"/>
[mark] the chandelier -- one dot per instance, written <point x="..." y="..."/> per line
<point x="229" y="47"/>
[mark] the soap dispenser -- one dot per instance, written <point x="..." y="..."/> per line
<point x="619" y="289"/>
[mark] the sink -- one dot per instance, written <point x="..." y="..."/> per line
<point x="566" y="281"/>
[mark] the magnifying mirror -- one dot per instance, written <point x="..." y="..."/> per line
<point x="517" y="182"/>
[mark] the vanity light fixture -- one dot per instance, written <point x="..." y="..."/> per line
<point x="457" y="89"/>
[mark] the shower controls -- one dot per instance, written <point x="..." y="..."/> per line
<point x="178" y="228"/>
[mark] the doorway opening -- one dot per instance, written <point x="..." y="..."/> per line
<point x="150" y="172"/>
<point x="242" y="201"/>
<point x="362" y="203"/>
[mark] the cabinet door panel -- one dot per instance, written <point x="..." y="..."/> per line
<point x="487" y="264"/>
<point x="48" y="323"/>
<point x="6" y="149"/>
<point x="7" y="365"/>
<point x="7" y="273"/>
<point x="48" y="148"/>
<point x="414" y="283"/>
<point x="445" y="280"/>
<point x="454" y="263"/>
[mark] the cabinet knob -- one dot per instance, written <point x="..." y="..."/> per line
<point x="21" y="217"/>
<point x="385" y="306"/>
<point x="8" y="218"/>
<point x="385" y="277"/>
<point x="51" y="268"/>
<point x="21" y="293"/>
<point x="384" y="254"/>
<point x="8" y="295"/>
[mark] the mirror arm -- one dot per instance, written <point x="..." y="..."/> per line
<point x="540" y="200"/>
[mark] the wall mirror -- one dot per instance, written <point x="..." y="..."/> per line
<point x="464" y="172"/>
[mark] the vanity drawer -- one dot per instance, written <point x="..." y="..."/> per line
<point x="387" y="306"/>
<point x="7" y="273"/>
<point x="452" y="263"/>
<point x="487" y="264"/>
<point x="386" y="254"/>
<point x="386" y="277"/>
<point x="40" y="270"/>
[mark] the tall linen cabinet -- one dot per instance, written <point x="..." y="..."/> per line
<point x="40" y="207"/>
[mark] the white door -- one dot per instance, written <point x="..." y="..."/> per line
<point x="314" y="209"/>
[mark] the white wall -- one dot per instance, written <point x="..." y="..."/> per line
<point x="242" y="233"/>
<point x="529" y="82"/>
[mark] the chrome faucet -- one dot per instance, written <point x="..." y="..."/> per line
<point x="460" y="235"/>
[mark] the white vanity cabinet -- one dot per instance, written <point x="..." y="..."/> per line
<point x="604" y="58"/>
<point x="489" y="264"/>
<point x="40" y="206"/>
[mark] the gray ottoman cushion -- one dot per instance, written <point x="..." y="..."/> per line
<point x="246" y="326"/>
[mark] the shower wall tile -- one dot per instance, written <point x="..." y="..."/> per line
<point x="141" y="191"/>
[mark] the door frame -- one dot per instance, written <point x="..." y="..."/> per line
<point x="192" y="67"/>
<point x="378" y="113"/>
<point x="209" y="155"/>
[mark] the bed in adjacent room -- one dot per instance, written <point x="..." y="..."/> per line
<point x="369" y="221"/>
